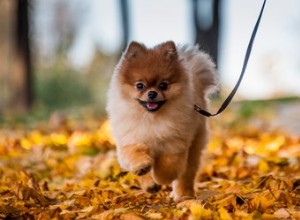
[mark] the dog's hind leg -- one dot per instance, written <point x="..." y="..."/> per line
<point x="183" y="187"/>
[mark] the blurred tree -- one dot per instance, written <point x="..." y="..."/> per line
<point x="23" y="72"/>
<point x="206" y="16"/>
<point x="125" y="23"/>
<point x="6" y="21"/>
<point x="16" y="70"/>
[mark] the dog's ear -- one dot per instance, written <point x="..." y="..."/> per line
<point x="169" y="50"/>
<point x="134" y="50"/>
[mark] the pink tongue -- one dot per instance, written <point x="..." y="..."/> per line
<point x="152" y="105"/>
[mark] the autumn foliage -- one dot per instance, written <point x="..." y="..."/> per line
<point x="68" y="170"/>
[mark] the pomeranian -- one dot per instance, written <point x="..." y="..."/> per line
<point x="159" y="136"/>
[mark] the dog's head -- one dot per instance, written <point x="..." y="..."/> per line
<point x="151" y="77"/>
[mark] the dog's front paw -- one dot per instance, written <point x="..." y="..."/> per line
<point x="179" y="199"/>
<point x="153" y="188"/>
<point x="141" y="169"/>
<point x="148" y="184"/>
<point x="137" y="157"/>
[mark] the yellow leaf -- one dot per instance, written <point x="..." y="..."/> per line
<point x="87" y="209"/>
<point x="154" y="215"/>
<point x="36" y="137"/>
<point x="104" y="134"/>
<point x="263" y="166"/>
<point x="241" y="214"/>
<point x="26" y="144"/>
<point x="282" y="213"/>
<point x="224" y="215"/>
<point x="131" y="216"/>
<point x="106" y="215"/>
<point x="198" y="210"/>
<point x="178" y="213"/>
<point x="261" y="203"/>
<point x="26" y="193"/>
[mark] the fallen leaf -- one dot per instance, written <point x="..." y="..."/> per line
<point x="282" y="214"/>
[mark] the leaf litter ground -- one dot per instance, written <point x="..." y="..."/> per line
<point x="67" y="169"/>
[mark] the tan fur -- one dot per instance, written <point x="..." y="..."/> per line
<point x="163" y="146"/>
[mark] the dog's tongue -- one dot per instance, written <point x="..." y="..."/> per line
<point x="152" y="105"/>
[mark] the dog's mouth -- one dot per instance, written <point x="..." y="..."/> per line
<point x="151" y="106"/>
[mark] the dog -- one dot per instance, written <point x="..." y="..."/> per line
<point x="158" y="135"/>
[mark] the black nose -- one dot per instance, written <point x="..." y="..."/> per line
<point x="152" y="94"/>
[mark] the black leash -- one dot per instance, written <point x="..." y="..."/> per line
<point x="248" y="53"/>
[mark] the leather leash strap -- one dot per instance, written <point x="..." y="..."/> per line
<point x="248" y="53"/>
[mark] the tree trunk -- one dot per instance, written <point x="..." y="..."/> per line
<point x="7" y="18"/>
<point x="23" y="69"/>
<point x="125" y="23"/>
<point x="207" y="37"/>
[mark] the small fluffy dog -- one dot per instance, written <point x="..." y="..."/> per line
<point x="159" y="136"/>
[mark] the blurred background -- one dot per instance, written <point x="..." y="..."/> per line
<point x="61" y="53"/>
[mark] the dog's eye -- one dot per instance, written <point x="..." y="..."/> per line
<point x="163" y="86"/>
<point x="140" y="86"/>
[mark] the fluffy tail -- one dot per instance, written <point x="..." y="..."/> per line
<point x="202" y="68"/>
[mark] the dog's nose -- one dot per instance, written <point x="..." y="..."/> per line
<point x="152" y="94"/>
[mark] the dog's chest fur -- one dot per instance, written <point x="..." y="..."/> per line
<point x="157" y="131"/>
